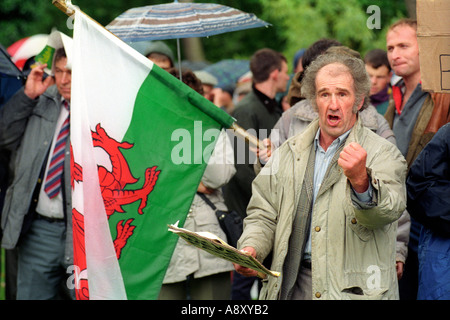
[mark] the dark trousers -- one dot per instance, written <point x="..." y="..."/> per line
<point x="41" y="265"/>
<point x="240" y="289"/>
<point x="409" y="283"/>
<point x="213" y="287"/>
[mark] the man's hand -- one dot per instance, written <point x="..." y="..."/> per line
<point x="204" y="189"/>
<point x="353" y="162"/>
<point x="399" y="267"/>
<point x="264" y="152"/>
<point x="243" y="270"/>
<point x="35" y="85"/>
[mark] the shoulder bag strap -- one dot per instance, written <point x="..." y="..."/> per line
<point x="205" y="198"/>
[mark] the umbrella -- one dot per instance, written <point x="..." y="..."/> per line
<point x="180" y="20"/>
<point x="26" y="48"/>
<point x="228" y="72"/>
<point x="11" y="78"/>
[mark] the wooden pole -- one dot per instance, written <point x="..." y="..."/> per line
<point x="246" y="136"/>
<point x="67" y="7"/>
<point x="62" y="5"/>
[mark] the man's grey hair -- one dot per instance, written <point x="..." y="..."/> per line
<point x="355" y="67"/>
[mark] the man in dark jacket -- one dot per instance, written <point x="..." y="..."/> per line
<point x="36" y="217"/>
<point x="257" y="113"/>
<point x="428" y="186"/>
<point x="415" y="116"/>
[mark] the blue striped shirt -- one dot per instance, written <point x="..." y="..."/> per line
<point x="322" y="161"/>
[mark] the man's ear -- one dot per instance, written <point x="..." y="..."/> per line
<point x="274" y="74"/>
<point x="361" y="103"/>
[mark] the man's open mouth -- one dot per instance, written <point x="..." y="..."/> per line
<point x="333" y="119"/>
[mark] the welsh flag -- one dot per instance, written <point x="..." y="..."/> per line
<point x="138" y="154"/>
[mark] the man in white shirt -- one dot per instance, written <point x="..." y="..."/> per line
<point x="37" y="214"/>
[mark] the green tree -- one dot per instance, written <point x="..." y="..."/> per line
<point x="302" y="22"/>
<point x="295" y="23"/>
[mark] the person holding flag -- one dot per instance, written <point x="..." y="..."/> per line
<point x="141" y="140"/>
<point x="34" y="126"/>
<point x="192" y="273"/>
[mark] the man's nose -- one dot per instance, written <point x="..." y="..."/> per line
<point x="394" y="54"/>
<point x="334" y="103"/>
<point x="373" y="79"/>
<point x="66" y="77"/>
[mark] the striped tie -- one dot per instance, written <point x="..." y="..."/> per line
<point x="55" y="169"/>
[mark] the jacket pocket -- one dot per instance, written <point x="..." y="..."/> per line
<point x="367" y="280"/>
<point x="356" y="293"/>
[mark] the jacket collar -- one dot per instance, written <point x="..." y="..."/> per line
<point x="270" y="104"/>
<point x="304" y="140"/>
<point x="53" y="93"/>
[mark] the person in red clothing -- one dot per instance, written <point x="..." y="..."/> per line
<point x="415" y="116"/>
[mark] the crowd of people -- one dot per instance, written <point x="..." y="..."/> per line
<point x="347" y="197"/>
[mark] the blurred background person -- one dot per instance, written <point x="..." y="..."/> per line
<point x="379" y="70"/>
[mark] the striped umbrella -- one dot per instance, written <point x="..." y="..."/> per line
<point x="25" y="48"/>
<point x="180" y="20"/>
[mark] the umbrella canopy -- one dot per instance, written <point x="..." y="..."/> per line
<point x="26" y="48"/>
<point x="228" y="72"/>
<point x="11" y="78"/>
<point x="7" y="67"/>
<point x="181" y="20"/>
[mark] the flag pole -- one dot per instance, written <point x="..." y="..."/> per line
<point x="67" y="7"/>
<point x="61" y="5"/>
<point x="238" y="130"/>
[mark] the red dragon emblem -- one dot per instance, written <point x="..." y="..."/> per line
<point x="112" y="186"/>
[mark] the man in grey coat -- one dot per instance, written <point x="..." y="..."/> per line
<point x="36" y="217"/>
<point x="328" y="200"/>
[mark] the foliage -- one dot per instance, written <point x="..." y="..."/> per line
<point x="295" y="23"/>
<point x="302" y="22"/>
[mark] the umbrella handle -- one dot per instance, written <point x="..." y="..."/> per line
<point x="179" y="59"/>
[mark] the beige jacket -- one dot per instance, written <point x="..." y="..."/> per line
<point x="299" y="116"/>
<point x="353" y="248"/>
<point x="187" y="259"/>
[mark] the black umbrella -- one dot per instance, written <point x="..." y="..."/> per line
<point x="11" y="78"/>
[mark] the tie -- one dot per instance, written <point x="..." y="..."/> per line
<point x="53" y="181"/>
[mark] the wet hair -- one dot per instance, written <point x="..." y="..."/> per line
<point x="354" y="66"/>
<point x="263" y="62"/>
<point x="316" y="49"/>
<point x="377" y="58"/>
<point x="59" y="54"/>
<point x="188" y="77"/>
